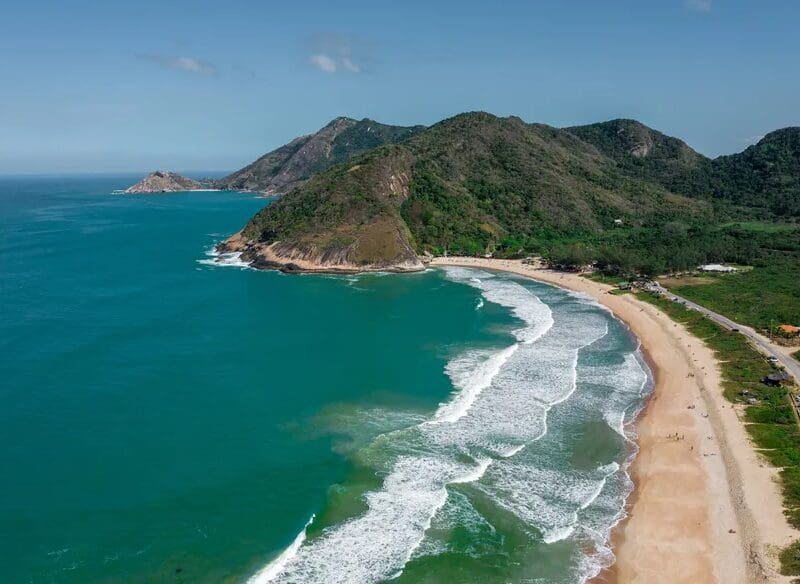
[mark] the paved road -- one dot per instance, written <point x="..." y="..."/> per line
<point x="760" y="341"/>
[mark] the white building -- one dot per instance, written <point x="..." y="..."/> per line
<point x="717" y="268"/>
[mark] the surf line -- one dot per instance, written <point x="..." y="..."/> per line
<point x="276" y="566"/>
<point x="471" y="477"/>
<point x="538" y="319"/>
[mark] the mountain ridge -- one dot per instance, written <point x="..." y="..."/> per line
<point x="475" y="183"/>
<point x="289" y="166"/>
<point x="467" y="181"/>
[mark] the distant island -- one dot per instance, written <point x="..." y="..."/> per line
<point x="164" y="182"/>
<point x="617" y="193"/>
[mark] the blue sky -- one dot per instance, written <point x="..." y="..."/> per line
<point x="88" y="86"/>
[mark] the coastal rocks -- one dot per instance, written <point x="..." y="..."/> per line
<point x="164" y="182"/>
<point x="296" y="258"/>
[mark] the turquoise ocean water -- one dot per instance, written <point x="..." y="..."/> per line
<point x="167" y="419"/>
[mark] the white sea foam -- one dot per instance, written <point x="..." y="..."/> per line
<point x="480" y="535"/>
<point x="228" y="259"/>
<point x="547" y="498"/>
<point x="500" y="405"/>
<point x="275" y="567"/>
<point x="509" y="452"/>
<point x="626" y="384"/>
<point x="628" y="379"/>
<point x="470" y="374"/>
<point x="377" y="544"/>
<point x="523" y="303"/>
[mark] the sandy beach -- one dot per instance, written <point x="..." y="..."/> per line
<point x="706" y="506"/>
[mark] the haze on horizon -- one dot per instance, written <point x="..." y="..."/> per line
<point x="130" y="87"/>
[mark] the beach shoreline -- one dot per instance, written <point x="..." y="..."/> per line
<point x="705" y="506"/>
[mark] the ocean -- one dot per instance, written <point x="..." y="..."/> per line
<point x="167" y="415"/>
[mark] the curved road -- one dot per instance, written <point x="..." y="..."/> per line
<point x="761" y="342"/>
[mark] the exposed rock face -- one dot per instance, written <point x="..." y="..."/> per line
<point x="321" y="227"/>
<point x="164" y="182"/>
<point x="288" y="167"/>
<point x="650" y="155"/>
<point x="286" y="257"/>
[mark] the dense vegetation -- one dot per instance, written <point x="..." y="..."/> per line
<point x="484" y="184"/>
<point x="763" y="297"/>
<point x="766" y="175"/>
<point x="650" y="155"/>
<point x="674" y="245"/>
<point x="770" y="419"/>
<point x="617" y="193"/>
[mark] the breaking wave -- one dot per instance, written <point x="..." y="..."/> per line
<point x="483" y="437"/>
<point x="219" y="259"/>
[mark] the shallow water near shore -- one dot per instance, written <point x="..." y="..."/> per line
<point x="165" y="418"/>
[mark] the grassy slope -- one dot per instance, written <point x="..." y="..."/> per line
<point x="762" y="298"/>
<point x="770" y="422"/>
<point x="767" y="295"/>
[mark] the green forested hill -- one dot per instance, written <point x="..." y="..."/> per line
<point x="651" y="156"/>
<point x="766" y="175"/>
<point x="617" y="192"/>
<point x="481" y="182"/>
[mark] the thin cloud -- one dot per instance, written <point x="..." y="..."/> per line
<point x="324" y="63"/>
<point x="350" y="66"/>
<point x="181" y="63"/>
<point x="699" y="5"/>
<point x="337" y="53"/>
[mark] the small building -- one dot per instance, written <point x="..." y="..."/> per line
<point x="777" y="378"/>
<point x="618" y="222"/>
<point x="789" y="330"/>
<point x="719" y="268"/>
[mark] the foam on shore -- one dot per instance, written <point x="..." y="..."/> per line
<point x="226" y="260"/>
<point x="499" y="407"/>
<point x="278" y="564"/>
